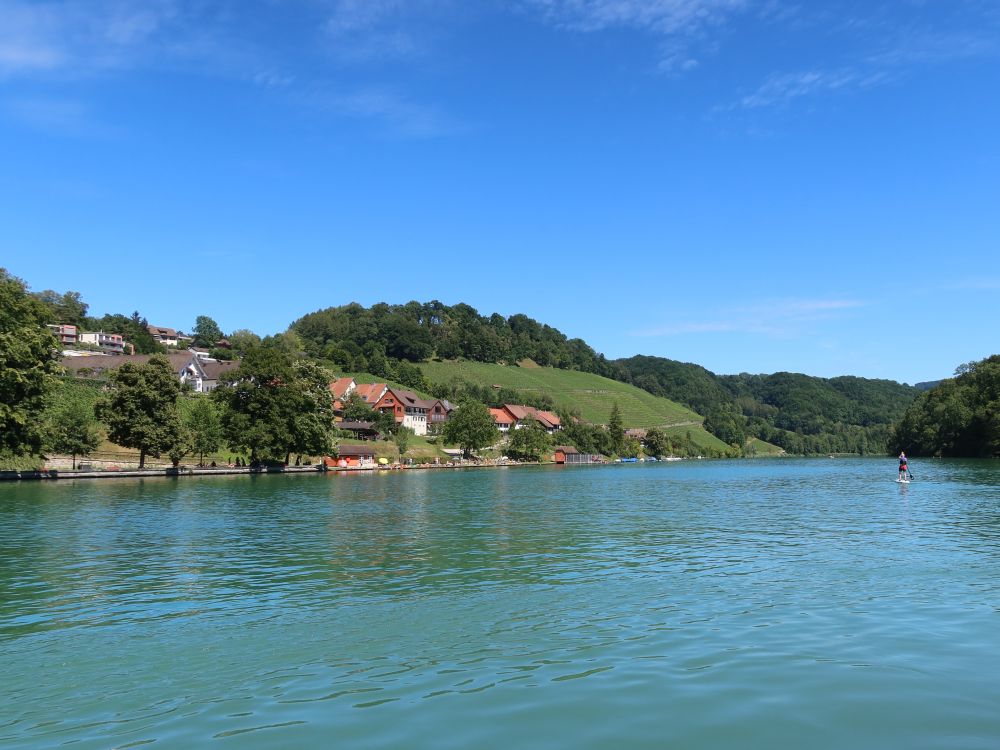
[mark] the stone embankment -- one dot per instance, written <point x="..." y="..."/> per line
<point x="195" y="471"/>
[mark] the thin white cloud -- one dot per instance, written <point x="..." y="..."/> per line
<point x="78" y="36"/>
<point x="361" y="15"/>
<point x="60" y="116"/>
<point x="657" y="16"/>
<point x="365" y="31"/>
<point x="784" y="87"/>
<point x="680" y="25"/>
<point x="774" y="318"/>
<point x="895" y="55"/>
<point x="399" y="116"/>
<point x="70" y="39"/>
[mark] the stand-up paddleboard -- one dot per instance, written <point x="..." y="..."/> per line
<point x="903" y="481"/>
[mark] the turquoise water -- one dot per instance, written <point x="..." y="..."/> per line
<point x="752" y="604"/>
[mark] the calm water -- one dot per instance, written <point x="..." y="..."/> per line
<point x="760" y="604"/>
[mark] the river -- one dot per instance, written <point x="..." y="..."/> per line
<point x="702" y="604"/>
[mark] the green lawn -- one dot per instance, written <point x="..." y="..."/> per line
<point x="590" y="395"/>
<point x="757" y="447"/>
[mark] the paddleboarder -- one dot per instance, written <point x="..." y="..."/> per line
<point x="902" y="467"/>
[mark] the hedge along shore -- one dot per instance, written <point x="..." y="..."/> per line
<point x="53" y="474"/>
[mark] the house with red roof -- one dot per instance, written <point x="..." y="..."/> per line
<point x="503" y="419"/>
<point x="524" y="414"/>
<point x="407" y="408"/>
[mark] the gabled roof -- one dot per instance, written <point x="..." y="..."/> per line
<point x="553" y="419"/>
<point x="355" y="450"/>
<point x="502" y="416"/>
<point x="215" y="370"/>
<point x="569" y="450"/>
<point x="371" y="392"/>
<point x="547" y="419"/>
<point x="409" y="398"/>
<point x="357" y="426"/>
<point x="342" y="387"/>
<point x="161" y="331"/>
<point x="517" y="411"/>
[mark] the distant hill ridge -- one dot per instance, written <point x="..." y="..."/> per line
<point x="801" y="413"/>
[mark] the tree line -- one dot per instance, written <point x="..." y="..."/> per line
<point x="958" y="417"/>
<point x="352" y="335"/>
<point x="800" y="413"/>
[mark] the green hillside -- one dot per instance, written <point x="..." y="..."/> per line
<point x="589" y="395"/>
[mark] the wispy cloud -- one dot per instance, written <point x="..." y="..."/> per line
<point x="780" y="88"/>
<point x="680" y="25"/>
<point x="658" y="16"/>
<point x="894" y="55"/>
<point x="775" y="318"/>
<point x="70" y="117"/>
<point x="364" y="31"/>
<point x="78" y="36"/>
<point x="397" y="115"/>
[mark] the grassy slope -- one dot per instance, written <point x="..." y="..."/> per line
<point x="590" y="395"/>
<point x="757" y="447"/>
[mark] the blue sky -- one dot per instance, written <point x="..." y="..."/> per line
<point x="752" y="186"/>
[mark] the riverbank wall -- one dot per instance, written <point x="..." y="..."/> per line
<point x="183" y="471"/>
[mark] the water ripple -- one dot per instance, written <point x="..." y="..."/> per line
<point x="755" y="603"/>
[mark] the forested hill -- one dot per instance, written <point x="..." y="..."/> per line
<point x="801" y="413"/>
<point x="958" y="417"/>
<point x="353" y="335"/>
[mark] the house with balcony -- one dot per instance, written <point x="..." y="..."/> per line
<point x="438" y="414"/>
<point x="165" y="336"/>
<point x="110" y="343"/>
<point x="407" y="408"/>
<point x="65" y="334"/>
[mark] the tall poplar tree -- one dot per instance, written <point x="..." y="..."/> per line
<point x="616" y="431"/>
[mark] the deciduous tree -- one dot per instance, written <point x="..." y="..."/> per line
<point x="471" y="427"/>
<point x="140" y="408"/>
<point x="402" y="439"/>
<point x="529" y="443"/>
<point x="27" y="367"/>
<point x="204" y="428"/>
<point x="206" y="331"/>
<point x="274" y="406"/>
<point x="72" y="429"/>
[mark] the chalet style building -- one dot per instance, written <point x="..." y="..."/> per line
<point x="406" y="407"/>
<point x="165" y="336"/>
